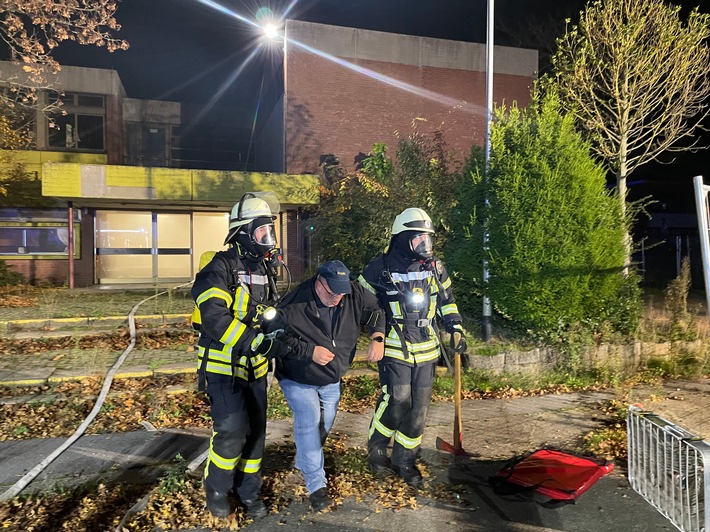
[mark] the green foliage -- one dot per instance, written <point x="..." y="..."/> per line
<point x="9" y="277"/>
<point x="175" y="478"/>
<point x="19" y="188"/>
<point x="555" y="235"/>
<point x="356" y="211"/>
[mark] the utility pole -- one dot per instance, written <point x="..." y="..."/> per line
<point x="486" y="325"/>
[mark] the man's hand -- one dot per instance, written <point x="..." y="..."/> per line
<point x="322" y="355"/>
<point x="376" y="351"/>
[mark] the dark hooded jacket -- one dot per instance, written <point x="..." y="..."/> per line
<point x="304" y="316"/>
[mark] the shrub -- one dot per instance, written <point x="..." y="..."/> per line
<point x="555" y="234"/>
<point x="9" y="277"/>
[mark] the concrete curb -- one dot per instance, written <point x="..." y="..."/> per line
<point x="130" y="373"/>
<point x="58" y="323"/>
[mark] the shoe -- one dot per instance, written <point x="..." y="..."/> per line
<point x="320" y="500"/>
<point x="218" y="503"/>
<point x="378" y="462"/>
<point x="410" y="474"/>
<point x="256" y="509"/>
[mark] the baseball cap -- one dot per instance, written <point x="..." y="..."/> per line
<point x="337" y="275"/>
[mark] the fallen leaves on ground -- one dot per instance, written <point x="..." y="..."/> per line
<point x="10" y="301"/>
<point x="170" y="505"/>
<point x="52" y="411"/>
<point x="154" y="338"/>
<point x="609" y="441"/>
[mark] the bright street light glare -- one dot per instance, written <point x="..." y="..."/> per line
<point x="271" y="31"/>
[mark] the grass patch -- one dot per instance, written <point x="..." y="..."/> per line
<point x="277" y="407"/>
<point x="30" y="302"/>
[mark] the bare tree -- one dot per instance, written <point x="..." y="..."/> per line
<point x="637" y="79"/>
<point x="31" y="30"/>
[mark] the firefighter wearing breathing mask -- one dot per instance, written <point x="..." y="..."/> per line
<point x="413" y="289"/>
<point x="231" y="292"/>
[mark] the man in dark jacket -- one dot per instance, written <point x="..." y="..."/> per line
<point x="325" y="315"/>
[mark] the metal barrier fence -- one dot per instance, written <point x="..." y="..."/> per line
<point x="670" y="468"/>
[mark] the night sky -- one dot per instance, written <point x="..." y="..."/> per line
<point x="183" y="50"/>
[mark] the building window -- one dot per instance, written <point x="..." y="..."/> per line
<point x="80" y="125"/>
<point x="26" y="232"/>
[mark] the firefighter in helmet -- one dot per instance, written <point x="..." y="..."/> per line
<point x="414" y="290"/>
<point x="231" y="293"/>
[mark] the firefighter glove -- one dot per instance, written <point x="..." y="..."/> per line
<point x="272" y="348"/>
<point x="458" y="342"/>
<point x="458" y="338"/>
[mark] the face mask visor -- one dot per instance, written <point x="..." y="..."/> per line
<point x="422" y="245"/>
<point x="264" y="236"/>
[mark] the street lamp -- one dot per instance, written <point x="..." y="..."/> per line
<point x="271" y="31"/>
<point x="486" y="323"/>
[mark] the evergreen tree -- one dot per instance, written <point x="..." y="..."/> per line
<point x="556" y="235"/>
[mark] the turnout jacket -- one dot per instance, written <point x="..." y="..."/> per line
<point x="300" y="308"/>
<point x="412" y="337"/>
<point x="231" y="293"/>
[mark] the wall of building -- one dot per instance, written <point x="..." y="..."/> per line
<point x="374" y="87"/>
<point x="269" y="145"/>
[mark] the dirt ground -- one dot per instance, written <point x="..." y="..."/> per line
<point x="682" y="402"/>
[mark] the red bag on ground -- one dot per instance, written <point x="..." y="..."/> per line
<point x="558" y="475"/>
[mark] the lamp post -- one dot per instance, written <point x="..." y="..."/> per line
<point x="486" y="323"/>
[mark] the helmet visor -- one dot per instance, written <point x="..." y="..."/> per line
<point x="265" y="235"/>
<point x="422" y="245"/>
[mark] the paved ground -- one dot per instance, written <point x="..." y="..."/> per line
<point x="494" y="431"/>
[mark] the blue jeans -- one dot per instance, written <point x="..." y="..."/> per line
<point x="314" y="409"/>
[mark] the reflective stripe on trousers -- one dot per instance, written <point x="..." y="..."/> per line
<point x="401" y="409"/>
<point x="238" y="411"/>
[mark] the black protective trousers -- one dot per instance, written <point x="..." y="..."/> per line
<point x="401" y="409"/>
<point x="238" y="410"/>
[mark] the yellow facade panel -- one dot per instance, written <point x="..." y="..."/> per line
<point x="61" y="180"/>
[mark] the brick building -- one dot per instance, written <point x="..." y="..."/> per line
<point x="346" y="89"/>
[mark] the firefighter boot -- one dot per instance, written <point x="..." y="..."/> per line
<point x="410" y="474"/>
<point x="378" y="462"/>
<point x="256" y="509"/>
<point x="217" y="503"/>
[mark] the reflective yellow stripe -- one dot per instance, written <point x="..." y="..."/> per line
<point x="396" y="309"/>
<point x="214" y="292"/>
<point x="221" y="356"/>
<point x="407" y="443"/>
<point x="241" y="305"/>
<point x="367" y="285"/>
<point x="249" y="466"/>
<point x="376" y="423"/>
<point x="233" y="333"/>
<point x="223" y="463"/>
<point x="432" y="307"/>
<point x="446" y="283"/>
<point x="449" y="309"/>
<point x="418" y="353"/>
<point x="256" y="342"/>
<point x="260" y="367"/>
<point x="222" y="369"/>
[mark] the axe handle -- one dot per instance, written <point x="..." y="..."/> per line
<point x="458" y="428"/>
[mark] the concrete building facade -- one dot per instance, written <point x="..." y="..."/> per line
<point x="129" y="214"/>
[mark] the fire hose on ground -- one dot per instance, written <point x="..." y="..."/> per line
<point x="21" y="484"/>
